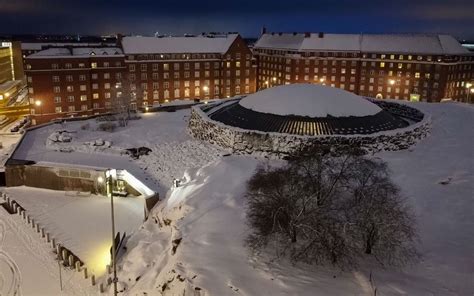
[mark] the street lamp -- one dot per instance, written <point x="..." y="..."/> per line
<point x="110" y="175"/>
<point x="38" y="104"/>
<point x="391" y="81"/>
<point x="468" y="90"/>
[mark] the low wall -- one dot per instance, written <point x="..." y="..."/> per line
<point x="55" y="178"/>
<point x="242" y="141"/>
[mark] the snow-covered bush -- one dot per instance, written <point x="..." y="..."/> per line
<point x="107" y="126"/>
<point x="323" y="208"/>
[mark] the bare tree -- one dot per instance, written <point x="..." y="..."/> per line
<point x="124" y="102"/>
<point x="330" y="207"/>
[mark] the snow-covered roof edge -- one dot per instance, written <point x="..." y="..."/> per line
<point x="194" y="44"/>
<point x="395" y="43"/>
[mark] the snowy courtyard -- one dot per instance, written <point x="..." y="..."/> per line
<point x="194" y="238"/>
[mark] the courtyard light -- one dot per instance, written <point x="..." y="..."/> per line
<point x="274" y="79"/>
<point x="146" y="109"/>
<point x="100" y="179"/>
<point x="38" y="103"/>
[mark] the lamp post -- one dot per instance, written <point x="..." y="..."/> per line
<point x="468" y="91"/>
<point x="109" y="174"/>
<point x="205" y="88"/>
<point x="38" y="104"/>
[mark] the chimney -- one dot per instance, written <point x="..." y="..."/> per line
<point x="294" y="33"/>
<point x="264" y="30"/>
<point x="280" y="33"/>
<point x="307" y="34"/>
<point x="321" y="35"/>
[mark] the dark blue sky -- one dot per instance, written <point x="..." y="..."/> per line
<point x="145" y="17"/>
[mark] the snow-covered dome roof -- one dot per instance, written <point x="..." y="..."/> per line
<point x="313" y="100"/>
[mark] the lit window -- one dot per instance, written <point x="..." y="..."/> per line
<point x="93" y="65"/>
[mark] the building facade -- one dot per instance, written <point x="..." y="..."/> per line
<point x="11" y="70"/>
<point x="161" y="69"/>
<point x="70" y="82"/>
<point x="409" y="67"/>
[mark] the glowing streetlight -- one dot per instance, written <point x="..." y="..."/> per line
<point x="7" y="94"/>
<point x="321" y="80"/>
<point x="146" y="109"/>
<point x="100" y="179"/>
<point x="274" y="79"/>
<point x="38" y="104"/>
<point x="469" y="90"/>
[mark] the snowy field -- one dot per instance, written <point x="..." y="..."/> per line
<point x="194" y="239"/>
<point x="81" y="224"/>
<point x="207" y="214"/>
<point x="173" y="150"/>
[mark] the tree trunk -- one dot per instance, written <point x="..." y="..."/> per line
<point x="293" y="235"/>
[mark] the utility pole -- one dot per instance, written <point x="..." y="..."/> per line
<point x="110" y="183"/>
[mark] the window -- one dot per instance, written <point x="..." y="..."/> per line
<point x="96" y="105"/>
<point x="155" y="85"/>
<point x="166" y="84"/>
<point x="106" y="75"/>
<point x="106" y="64"/>
<point x="107" y="95"/>
<point x="154" y="67"/>
<point x="166" y="67"/>
<point x="58" y="109"/>
<point x="57" y="100"/>
<point x="143" y="76"/>
<point x="196" y="91"/>
<point x="83" y="107"/>
<point x="55" y="78"/>
<point x="93" y="65"/>
<point x="82" y="77"/>
<point x="54" y="66"/>
<point x="56" y="89"/>
<point x="155" y="76"/>
<point x="197" y="66"/>
<point x="176" y="66"/>
<point x="176" y="93"/>
<point x="71" y="108"/>
<point x="83" y="98"/>
<point x="68" y="78"/>
<point x="70" y="99"/>
<point x="131" y="68"/>
<point x="83" y="87"/>
<point x="70" y="88"/>
<point x="417" y="75"/>
<point x="143" y="67"/>
<point x="94" y="76"/>
<point x="196" y="74"/>
<point x="95" y="96"/>
<point x="166" y="75"/>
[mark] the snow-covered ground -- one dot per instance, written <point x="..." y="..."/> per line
<point x="207" y="214"/>
<point x="80" y="223"/>
<point x="194" y="239"/>
<point x="173" y="150"/>
<point x="27" y="265"/>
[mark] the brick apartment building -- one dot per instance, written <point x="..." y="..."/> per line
<point x="65" y="82"/>
<point x="410" y="67"/>
<point x="77" y="81"/>
<point x="162" y="69"/>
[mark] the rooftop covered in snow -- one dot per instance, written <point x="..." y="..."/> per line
<point x="393" y="43"/>
<point x="61" y="52"/>
<point x="312" y="100"/>
<point x="192" y="44"/>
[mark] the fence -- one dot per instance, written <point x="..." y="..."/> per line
<point x="64" y="256"/>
